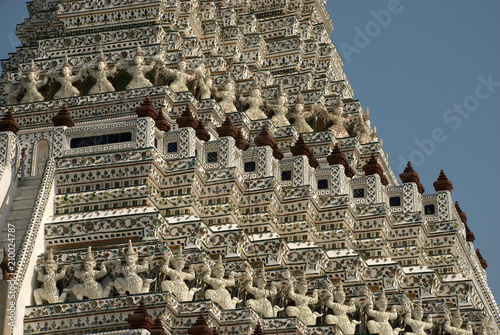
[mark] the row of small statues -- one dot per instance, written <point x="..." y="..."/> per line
<point x="181" y="77"/>
<point x="255" y="285"/>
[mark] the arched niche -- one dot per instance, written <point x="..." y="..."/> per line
<point x="41" y="157"/>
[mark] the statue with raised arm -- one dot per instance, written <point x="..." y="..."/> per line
<point x="31" y="83"/>
<point x="177" y="284"/>
<point x="365" y="133"/>
<point x="138" y="69"/>
<point x="66" y="79"/>
<point x="131" y="281"/>
<point x="254" y="102"/>
<point x="49" y="291"/>
<point x="220" y="293"/>
<point x="228" y="96"/>
<point x="301" y="116"/>
<point x="90" y="288"/>
<point x="340" y="310"/>
<point x="337" y="117"/>
<point x="10" y="91"/>
<point x="100" y="73"/>
<point x="280" y="109"/>
<point x="301" y="309"/>
<point x="381" y="324"/>
<point x="205" y="82"/>
<point x="180" y="75"/>
<point x="414" y="319"/>
<point x="453" y="324"/>
<point x="487" y="327"/>
<point x="261" y="304"/>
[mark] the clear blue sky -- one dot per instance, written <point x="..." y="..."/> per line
<point x="414" y="69"/>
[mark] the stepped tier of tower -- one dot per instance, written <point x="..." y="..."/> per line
<point x="226" y="134"/>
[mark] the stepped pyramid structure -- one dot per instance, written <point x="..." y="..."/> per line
<point x="203" y="167"/>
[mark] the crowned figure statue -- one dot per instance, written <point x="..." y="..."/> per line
<point x="131" y="282"/>
<point x="177" y="284"/>
<point x="280" y="109"/>
<point x="337" y="117"/>
<point x="100" y="72"/>
<point x="205" y="82"/>
<point x="138" y="70"/>
<point x="414" y="319"/>
<point x="90" y="287"/>
<point x="260" y="303"/>
<point x="301" y="309"/>
<point x="381" y="324"/>
<point x="66" y="79"/>
<point x="228" y="96"/>
<point x="340" y="311"/>
<point x="300" y="116"/>
<point x="255" y="102"/>
<point x="49" y="291"/>
<point x="453" y="323"/>
<point x="31" y="83"/>
<point x="220" y="294"/>
<point x="180" y="75"/>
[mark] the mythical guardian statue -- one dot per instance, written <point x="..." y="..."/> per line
<point x="340" y="310"/>
<point x="301" y="309"/>
<point x="381" y="324"/>
<point x="220" y="294"/>
<point x="177" y="284"/>
<point x="261" y="304"/>
<point x="90" y="288"/>
<point x="49" y="291"/>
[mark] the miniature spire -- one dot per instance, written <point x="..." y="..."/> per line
<point x="442" y="183"/>
<point x="200" y="327"/>
<point x="63" y="118"/>
<point x="157" y="328"/>
<point x="469" y="235"/>
<point x="277" y="153"/>
<point x="483" y="262"/>
<point x="227" y="129"/>
<point x="301" y="148"/>
<point x="337" y="157"/>
<point x="187" y="119"/>
<point x="7" y="123"/>
<point x="410" y="176"/>
<point x="373" y="167"/>
<point x="258" y="330"/>
<point x="202" y="133"/>
<point x="264" y="138"/>
<point x="162" y="123"/>
<point x="241" y="142"/>
<point x="146" y="109"/>
<point x="140" y="319"/>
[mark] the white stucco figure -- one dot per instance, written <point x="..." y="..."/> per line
<point x="31" y="83"/>
<point x="301" y="309"/>
<point x="180" y="75"/>
<point x="220" y="293"/>
<point x="177" y="284"/>
<point x="228" y="96"/>
<point x="301" y="116"/>
<point x="49" y="292"/>
<point x="66" y="79"/>
<point x="365" y="133"/>
<point x="10" y="91"/>
<point x="254" y="102"/>
<point x="89" y="287"/>
<point x="260" y="303"/>
<point x="100" y="72"/>
<point x="205" y="82"/>
<point x="340" y="311"/>
<point x="131" y="281"/>
<point x="337" y="117"/>
<point x="414" y="319"/>
<point x="280" y="109"/>
<point x="138" y="70"/>
<point x="381" y="324"/>
<point x="453" y="324"/>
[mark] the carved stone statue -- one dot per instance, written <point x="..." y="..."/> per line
<point x="205" y="82"/>
<point x="131" y="281"/>
<point x="487" y="327"/>
<point x="261" y="304"/>
<point x="228" y="96"/>
<point x="254" y="102"/>
<point x="340" y="310"/>
<point x="32" y="84"/>
<point x="10" y="91"/>
<point x="101" y="74"/>
<point x="336" y="117"/>
<point x="301" y="309"/>
<point x="301" y="116"/>
<point x="417" y="325"/>
<point x="453" y="325"/>
<point x="220" y="294"/>
<point x="66" y="79"/>
<point x="49" y="291"/>
<point x="138" y="70"/>
<point x="176" y="284"/>
<point x="181" y="77"/>
<point x="365" y="133"/>
<point x="90" y="288"/>
<point x="381" y="324"/>
<point x="280" y="109"/>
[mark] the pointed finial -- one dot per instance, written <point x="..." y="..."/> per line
<point x="131" y="250"/>
<point x="300" y="100"/>
<point x="89" y="256"/>
<point x="139" y="50"/>
<point x="50" y="258"/>
<point x="442" y="183"/>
